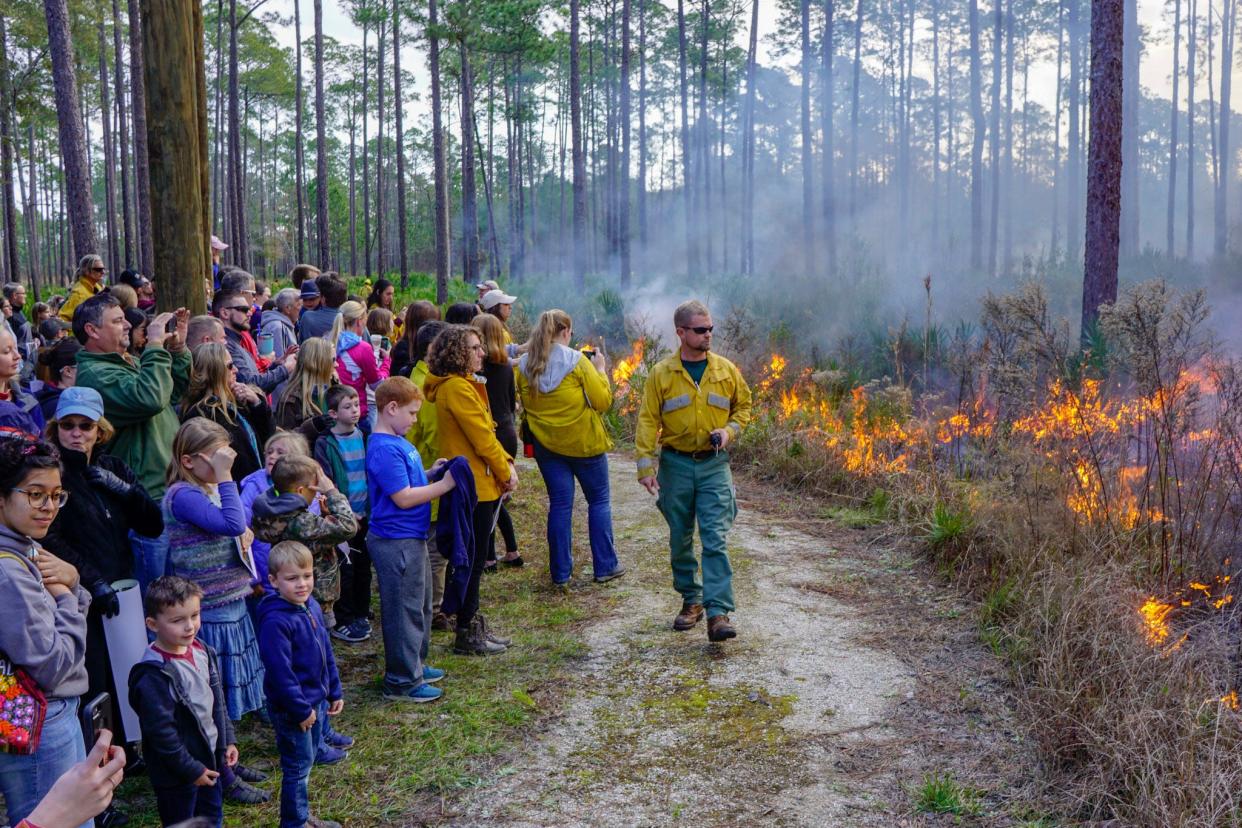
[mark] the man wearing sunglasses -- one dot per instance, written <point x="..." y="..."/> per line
<point x="695" y="404"/>
<point x="233" y="310"/>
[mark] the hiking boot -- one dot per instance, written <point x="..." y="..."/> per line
<point x="471" y="641"/>
<point x="688" y="617"/>
<point x="488" y="634"/>
<point x="243" y="793"/>
<point x="719" y="628"/>
<point x="249" y="774"/>
<point x="316" y="822"/>
<point x="111" y="818"/>
<point x="440" y="621"/>
<point x="616" y="573"/>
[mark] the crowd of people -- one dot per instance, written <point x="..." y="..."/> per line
<point x="262" y="471"/>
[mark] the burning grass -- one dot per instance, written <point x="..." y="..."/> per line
<point x="1099" y="491"/>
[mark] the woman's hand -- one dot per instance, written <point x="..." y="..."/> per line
<point x="600" y="362"/>
<point x="512" y="483"/>
<point x="244" y="393"/>
<point x="56" y="572"/>
<point x="85" y="789"/>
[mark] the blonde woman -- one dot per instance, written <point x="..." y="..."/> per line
<point x="11" y="389"/>
<point x="304" y="394"/>
<point x="216" y="395"/>
<point x="90" y="275"/>
<point x="358" y="365"/>
<point x="564" y="395"/>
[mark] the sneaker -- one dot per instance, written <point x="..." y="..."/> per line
<point x="339" y="740"/>
<point x="349" y="633"/>
<point x="364" y="624"/>
<point x="330" y="755"/>
<point x="419" y="695"/>
<point x="249" y="774"/>
<point x="616" y="573"/>
<point x="513" y="562"/>
<point x="110" y="818"/>
<point x="316" y="822"/>
<point x="432" y="674"/>
<point x="243" y="793"/>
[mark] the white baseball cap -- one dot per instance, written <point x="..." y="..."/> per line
<point x="496" y="297"/>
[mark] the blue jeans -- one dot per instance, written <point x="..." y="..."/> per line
<point x="558" y="473"/>
<point x="297" y="757"/>
<point x="401" y="570"/>
<point x="182" y="802"/>
<point x="24" y="780"/>
<point x="150" y="558"/>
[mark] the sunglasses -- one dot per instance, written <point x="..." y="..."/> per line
<point x="245" y="308"/>
<point x="99" y="269"/>
<point x="701" y="330"/>
<point x="231" y="367"/>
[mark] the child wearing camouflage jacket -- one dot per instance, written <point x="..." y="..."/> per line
<point x="283" y="513"/>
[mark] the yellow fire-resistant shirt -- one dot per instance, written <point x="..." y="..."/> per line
<point x="82" y="290"/>
<point x="677" y="413"/>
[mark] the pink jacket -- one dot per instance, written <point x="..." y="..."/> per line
<point x="356" y="368"/>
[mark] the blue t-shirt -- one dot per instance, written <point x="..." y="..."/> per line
<point x="392" y="465"/>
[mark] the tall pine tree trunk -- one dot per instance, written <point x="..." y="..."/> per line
<point x="71" y="129"/>
<point x="237" y="185"/>
<point x="642" y="123"/>
<point x="623" y="186"/>
<point x="109" y="159"/>
<point x="827" y="107"/>
<point x="299" y="135"/>
<point x="998" y="21"/>
<point x="321" y="147"/>
<point x="1190" y="134"/>
<point x="692" y="254"/>
<point x="1170" y="206"/>
<point x="379" y="152"/>
<point x="858" y="24"/>
<point x="748" y="149"/>
<point x="403" y="253"/>
<point x="177" y="140"/>
<point x="1221" y="215"/>
<point x="439" y="161"/>
<point x="579" y="161"/>
<point x="469" y="194"/>
<point x="808" y="148"/>
<point x="127" y="213"/>
<point x="1073" y="211"/>
<point x="976" y="147"/>
<point x="8" y="138"/>
<point x="1099" y="285"/>
<point x="1130" y="205"/>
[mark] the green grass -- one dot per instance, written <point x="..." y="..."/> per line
<point x="942" y="794"/>
<point x="406" y="757"/>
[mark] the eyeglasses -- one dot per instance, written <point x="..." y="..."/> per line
<point x="702" y="330"/>
<point x="40" y="499"/>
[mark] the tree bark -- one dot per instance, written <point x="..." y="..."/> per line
<point x="71" y="129"/>
<point x="748" y="149"/>
<point x="1221" y="214"/>
<point x="579" y="161"/>
<point x="299" y="137"/>
<point x="1190" y="136"/>
<point x="1103" y="221"/>
<point x="1130" y="201"/>
<point x="1170" y="205"/>
<point x="240" y="245"/>
<point x="109" y="159"/>
<point x="127" y="214"/>
<point x="1073" y="226"/>
<point x="439" y="160"/>
<point x="321" y="148"/>
<point x="858" y="24"/>
<point x="998" y="21"/>
<point x="379" y="152"/>
<point x="396" y="107"/>
<point x="8" y="138"/>
<point x="642" y="123"/>
<point x="623" y="186"/>
<point x="692" y="254"/>
<point x="827" y="107"/>
<point x="808" y="147"/>
<point x="177" y="141"/>
<point x="469" y="193"/>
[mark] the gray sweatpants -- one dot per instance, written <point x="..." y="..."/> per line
<point x="402" y="572"/>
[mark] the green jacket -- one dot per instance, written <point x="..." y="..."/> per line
<point x="140" y="399"/>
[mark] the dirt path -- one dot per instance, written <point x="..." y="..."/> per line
<point x="854" y="678"/>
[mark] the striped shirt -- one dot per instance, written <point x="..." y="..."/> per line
<point x="354" y="455"/>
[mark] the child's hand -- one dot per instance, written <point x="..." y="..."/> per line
<point x="221" y="461"/>
<point x="230" y="755"/>
<point x="324" y="484"/>
<point x="208" y="779"/>
<point x="336" y="707"/>
<point x="436" y="466"/>
<point x="309" y="723"/>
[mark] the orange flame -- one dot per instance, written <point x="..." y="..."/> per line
<point x="1155" y="614"/>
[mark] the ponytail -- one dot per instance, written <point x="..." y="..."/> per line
<point x="550" y="325"/>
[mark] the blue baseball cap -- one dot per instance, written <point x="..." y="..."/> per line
<point x="310" y="290"/>
<point x="77" y="399"/>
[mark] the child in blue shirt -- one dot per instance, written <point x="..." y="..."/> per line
<point x="397" y="539"/>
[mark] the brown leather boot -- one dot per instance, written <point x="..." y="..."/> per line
<point x="720" y="629"/>
<point x="688" y="617"/>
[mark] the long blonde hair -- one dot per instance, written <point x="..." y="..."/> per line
<point x="209" y="382"/>
<point x="197" y="435"/>
<point x="350" y="313"/>
<point x="492" y="334"/>
<point x="314" y="373"/>
<point x="550" y="325"/>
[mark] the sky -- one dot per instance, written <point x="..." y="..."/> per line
<point x="1154" y="71"/>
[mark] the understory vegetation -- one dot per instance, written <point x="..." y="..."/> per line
<point x="1086" y="494"/>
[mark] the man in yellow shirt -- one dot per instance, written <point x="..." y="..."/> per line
<point x="695" y="404"/>
<point x="91" y="272"/>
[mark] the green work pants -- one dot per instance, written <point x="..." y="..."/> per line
<point x="699" y="490"/>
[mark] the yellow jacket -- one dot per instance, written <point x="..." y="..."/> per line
<point x="82" y="290"/>
<point x="566" y="419"/>
<point x="676" y="413"/>
<point x="466" y="428"/>
<point x="424" y="434"/>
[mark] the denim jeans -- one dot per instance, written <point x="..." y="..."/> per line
<point x="401" y="570"/>
<point x="24" y="780"/>
<point x="150" y="558"/>
<point x="297" y="757"/>
<point x="182" y="802"/>
<point x="558" y="473"/>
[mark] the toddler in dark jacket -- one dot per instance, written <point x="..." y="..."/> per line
<point x="187" y="737"/>
<point x="301" y="682"/>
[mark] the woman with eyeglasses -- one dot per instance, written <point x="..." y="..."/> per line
<point x="242" y="410"/>
<point x="90" y="274"/>
<point x="91" y="531"/>
<point x="42" y="621"/>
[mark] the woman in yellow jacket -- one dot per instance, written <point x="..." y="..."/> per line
<point x="563" y="395"/>
<point x="465" y="428"/>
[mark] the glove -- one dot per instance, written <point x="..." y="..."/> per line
<point x="107" y="481"/>
<point x="104" y="597"/>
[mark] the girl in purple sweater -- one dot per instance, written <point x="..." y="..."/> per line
<point x="209" y="544"/>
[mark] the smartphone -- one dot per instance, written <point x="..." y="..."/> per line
<point x="96" y="716"/>
<point x="386" y="343"/>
